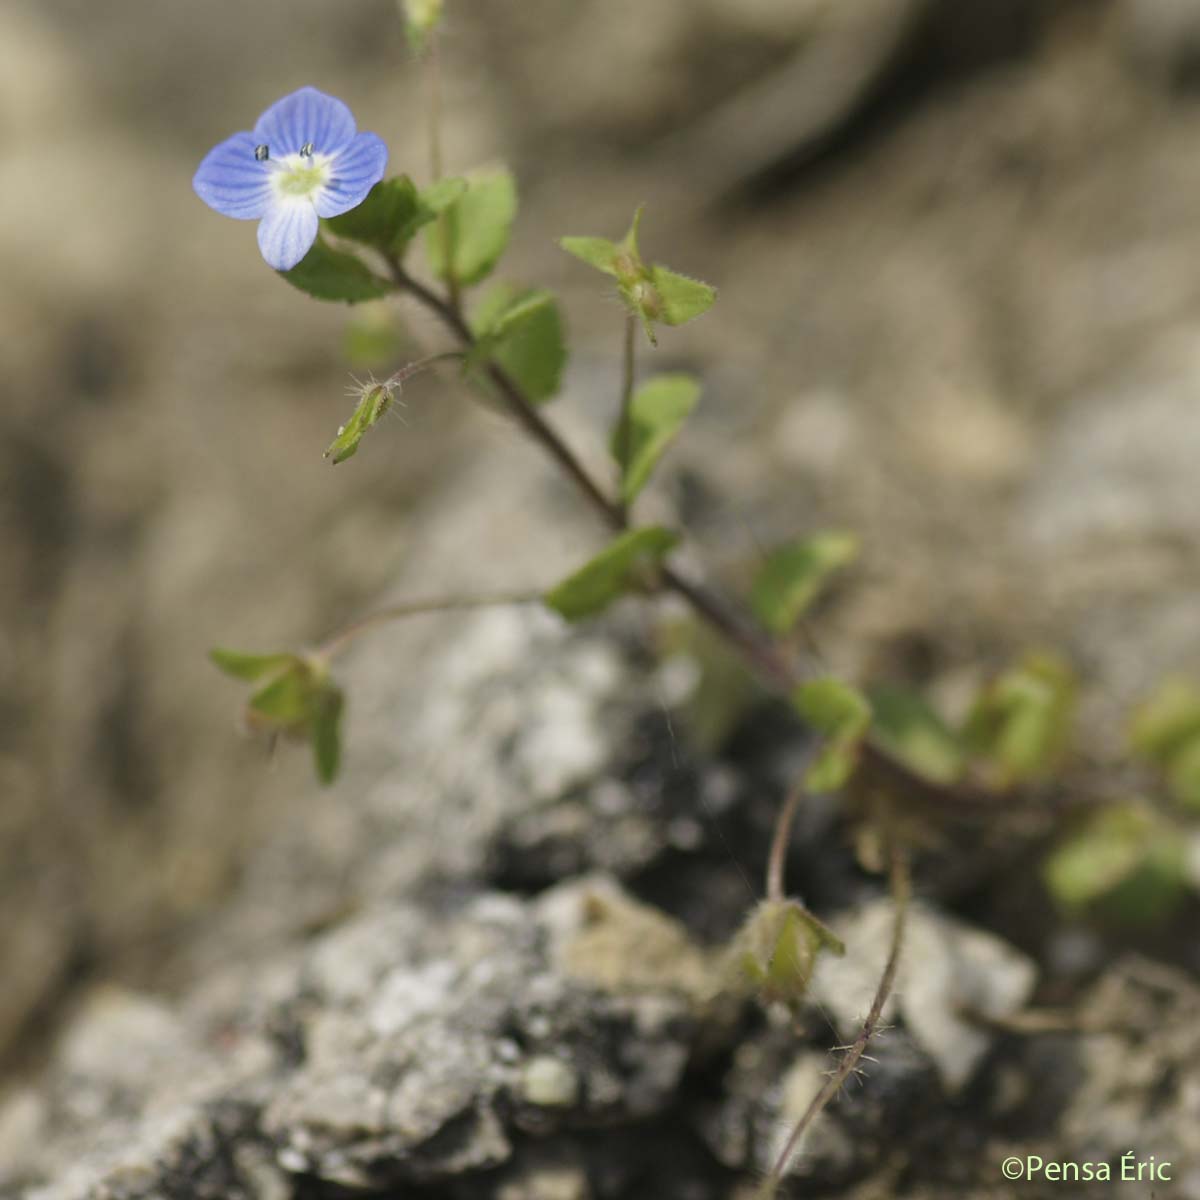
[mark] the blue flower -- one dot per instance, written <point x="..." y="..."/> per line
<point x="305" y="159"/>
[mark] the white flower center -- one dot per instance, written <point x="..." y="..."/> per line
<point x="300" y="176"/>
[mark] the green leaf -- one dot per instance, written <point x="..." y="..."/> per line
<point x="251" y="667"/>
<point x="522" y="332"/>
<point x="656" y="415"/>
<point x="1165" y="722"/>
<point x="597" y="252"/>
<point x="327" y="707"/>
<point x="474" y="233"/>
<point x="794" y="575"/>
<point x="842" y="714"/>
<point x="1183" y="774"/>
<point x="369" y="411"/>
<point x="1021" y="724"/>
<point x="615" y="570"/>
<point x="905" y="725"/>
<point x="329" y="274"/>
<point x="1125" y="858"/>
<point x="394" y="212"/>
<point x="682" y="299"/>
<point x="379" y="220"/>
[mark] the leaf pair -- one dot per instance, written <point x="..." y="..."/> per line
<point x="654" y="294"/>
<point x="295" y="697"/>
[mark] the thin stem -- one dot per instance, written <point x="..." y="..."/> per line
<point x="779" y="844"/>
<point x="405" y="373"/>
<point x="901" y="887"/>
<point x="419" y="608"/>
<point x="625" y="418"/>
<point x="433" y="86"/>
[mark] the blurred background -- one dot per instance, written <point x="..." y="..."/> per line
<point x="958" y="248"/>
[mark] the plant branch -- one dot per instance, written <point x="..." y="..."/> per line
<point x="900" y="887"/>
<point x="769" y="661"/>
<point x="624" y="442"/>
<point x="419" y="608"/>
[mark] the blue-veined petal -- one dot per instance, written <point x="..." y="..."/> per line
<point x="306" y="116"/>
<point x="233" y="181"/>
<point x="352" y="174"/>
<point x="287" y="232"/>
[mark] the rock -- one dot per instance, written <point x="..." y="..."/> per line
<point x="422" y="1046"/>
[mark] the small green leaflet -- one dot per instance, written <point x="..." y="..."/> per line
<point x="369" y="411"/>
<point x="842" y="714"/>
<point x="328" y="274"/>
<point x="794" y="575"/>
<point x="1126" y="859"/>
<point x="1020" y="725"/>
<point x="521" y="331"/>
<point x="613" y="572"/>
<point x="656" y="415"/>
<point x="475" y="229"/>
<point x="1166" y="731"/>
<point x="905" y="725"/>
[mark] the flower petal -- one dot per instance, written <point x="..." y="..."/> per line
<point x="287" y="232"/>
<point x="352" y="174"/>
<point x="306" y="116"/>
<point x="233" y="181"/>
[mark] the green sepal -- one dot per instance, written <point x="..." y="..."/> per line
<point x="617" y="569"/>
<point x="653" y="293"/>
<point x="794" y="575"/>
<point x="474" y="230"/>
<point x="842" y="714"/>
<point x="776" y="951"/>
<point x="294" y="698"/>
<point x="1126" y="861"/>
<point x="1021" y="724"/>
<point x="521" y="331"/>
<point x="328" y="274"/>
<point x="251" y="667"/>
<point x="597" y="252"/>
<point x="421" y="18"/>
<point x="327" y="707"/>
<point x="906" y="725"/>
<point x="681" y="298"/>
<point x="657" y="413"/>
<point x="367" y="413"/>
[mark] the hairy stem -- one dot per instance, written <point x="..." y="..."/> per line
<point x="418" y="608"/>
<point x="900" y="886"/>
